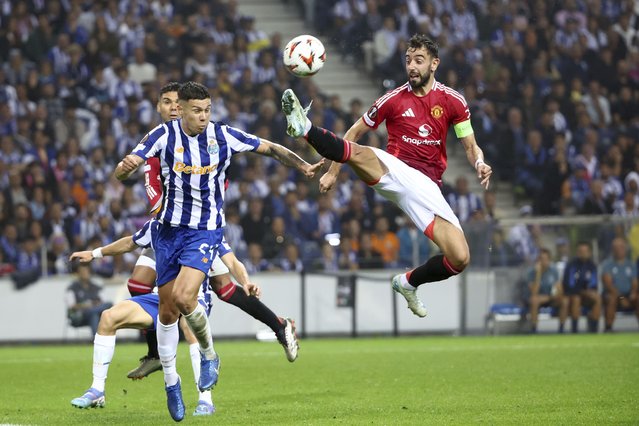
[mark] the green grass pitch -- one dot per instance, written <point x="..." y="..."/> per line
<point x="541" y="379"/>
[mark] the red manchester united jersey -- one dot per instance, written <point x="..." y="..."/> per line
<point x="417" y="125"/>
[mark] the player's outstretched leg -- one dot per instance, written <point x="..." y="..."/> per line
<point x="288" y="339"/>
<point x="284" y="329"/>
<point x="410" y="294"/>
<point x="326" y="143"/>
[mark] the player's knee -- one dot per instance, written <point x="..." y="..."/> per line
<point x="184" y="303"/>
<point x="107" y="320"/>
<point x="459" y="259"/>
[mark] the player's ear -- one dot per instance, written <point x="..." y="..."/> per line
<point x="434" y="64"/>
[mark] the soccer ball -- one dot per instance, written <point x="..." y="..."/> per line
<point x="304" y="56"/>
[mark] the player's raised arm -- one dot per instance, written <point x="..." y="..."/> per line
<point x="328" y="179"/>
<point x="127" y="166"/>
<point x="238" y="270"/>
<point x="123" y="245"/>
<point x="288" y="157"/>
<point x="476" y="157"/>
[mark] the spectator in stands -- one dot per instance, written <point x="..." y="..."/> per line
<point x="276" y="239"/>
<point x="595" y="203"/>
<point x="544" y="285"/>
<point x="291" y="260"/>
<point x="530" y="170"/>
<point x="385" y="242"/>
<point x="367" y="257"/>
<point x="620" y="282"/>
<point x="255" y="262"/>
<point x="579" y="185"/>
<point x="413" y="245"/>
<point x="28" y="267"/>
<point x="84" y="304"/>
<point x="462" y="201"/>
<point x="580" y="286"/>
<point x="501" y="253"/>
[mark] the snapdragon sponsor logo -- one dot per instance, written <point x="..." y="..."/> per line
<point x="424" y="131"/>
<point x="420" y="141"/>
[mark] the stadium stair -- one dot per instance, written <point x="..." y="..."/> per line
<point x="336" y="77"/>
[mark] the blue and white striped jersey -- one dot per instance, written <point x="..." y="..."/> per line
<point x="194" y="170"/>
<point x="143" y="237"/>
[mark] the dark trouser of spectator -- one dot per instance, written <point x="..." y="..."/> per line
<point x="89" y="316"/>
<point x="590" y="299"/>
<point x="614" y="301"/>
<point x="22" y="279"/>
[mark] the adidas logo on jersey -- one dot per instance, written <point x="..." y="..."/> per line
<point x="408" y="113"/>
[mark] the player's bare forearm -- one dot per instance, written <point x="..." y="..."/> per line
<point x="127" y="166"/>
<point x="239" y="272"/>
<point x="475" y="157"/>
<point x="288" y="157"/>
<point x="123" y="245"/>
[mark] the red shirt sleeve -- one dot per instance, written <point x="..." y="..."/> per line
<point x="459" y="107"/>
<point x="377" y="113"/>
<point x="153" y="184"/>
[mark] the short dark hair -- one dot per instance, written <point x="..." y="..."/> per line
<point x="192" y="90"/>
<point x="420" y="40"/>
<point x="173" y="86"/>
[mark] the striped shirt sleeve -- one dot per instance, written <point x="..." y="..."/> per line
<point x="240" y="141"/>
<point x="142" y="238"/>
<point x="152" y="143"/>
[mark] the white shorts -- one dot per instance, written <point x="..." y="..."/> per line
<point x="414" y="192"/>
<point x="147" y="258"/>
<point x="218" y="267"/>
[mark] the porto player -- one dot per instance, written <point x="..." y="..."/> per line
<point x="194" y="154"/>
<point x="418" y="115"/>
<point x="143" y="277"/>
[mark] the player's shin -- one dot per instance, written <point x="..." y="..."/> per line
<point x="437" y="268"/>
<point x="329" y="145"/>
<point x="253" y="306"/>
<point x="103" y="348"/>
<point x="199" y="324"/>
<point x="168" y="337"/>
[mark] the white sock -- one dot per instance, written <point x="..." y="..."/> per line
<point x="307" y="126"/>
<point x="168" y="337"/>
<point x="103" y="348"/>
<point x="199" y="324"/>
<point x="194" y="351"/>
<point x="404" y="282"/>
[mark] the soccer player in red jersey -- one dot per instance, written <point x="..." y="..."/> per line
<point x="418" y="115"/>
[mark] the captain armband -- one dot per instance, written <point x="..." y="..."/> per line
<point x="463" y="129"/>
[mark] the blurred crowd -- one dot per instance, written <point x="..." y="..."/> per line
<point x="552" y="88"/>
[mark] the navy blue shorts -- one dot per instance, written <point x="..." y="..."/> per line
<point x="178" y="246"/>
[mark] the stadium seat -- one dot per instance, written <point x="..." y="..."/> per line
<point x="505" y="316"/>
